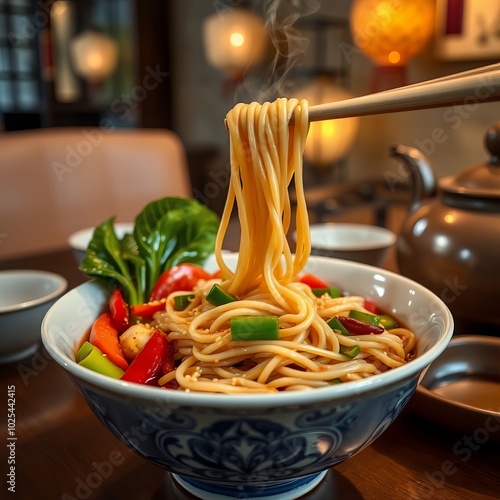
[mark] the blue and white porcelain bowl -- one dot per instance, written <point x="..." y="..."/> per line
<point x="256" y="446"/>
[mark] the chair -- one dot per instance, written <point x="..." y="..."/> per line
<point x="56" y="181"/>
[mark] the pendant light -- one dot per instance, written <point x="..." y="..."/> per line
<point x="328" y="141"/>
<point x="94" y="55"/>
<point x="234" y="40"/>
<point x="391" y="33"/>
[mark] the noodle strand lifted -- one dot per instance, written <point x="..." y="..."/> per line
<point x="266" y="158"/>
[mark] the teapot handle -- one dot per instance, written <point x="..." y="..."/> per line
<point x="424" y="182"/>
<point x="492" y="143"/>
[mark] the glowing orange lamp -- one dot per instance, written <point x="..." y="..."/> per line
<point x="391" y="33"/>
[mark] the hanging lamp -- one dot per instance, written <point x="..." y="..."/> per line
<point x="391" y="33"/>
<point x="234" y="40"/>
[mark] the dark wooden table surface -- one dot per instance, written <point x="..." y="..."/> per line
<point x="63" y="451"/>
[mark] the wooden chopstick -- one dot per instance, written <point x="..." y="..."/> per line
<point x="473" y="86"/>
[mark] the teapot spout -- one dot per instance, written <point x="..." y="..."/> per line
<point x="424" y="182"/>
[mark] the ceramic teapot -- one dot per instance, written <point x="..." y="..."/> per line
<point x="450" y="242"/>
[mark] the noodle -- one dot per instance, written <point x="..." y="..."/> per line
<point x="266" y="157"/>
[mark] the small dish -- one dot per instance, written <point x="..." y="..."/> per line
<point x="362" y="243"/>
<point x="25" y="297"/>
<point x="80" y="240"/>
<point x="460" y="390"/>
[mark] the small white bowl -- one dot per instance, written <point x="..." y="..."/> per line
<point x="357" y="242"/>
<point x="80" y="240"/>
<point x="25" y="297"/>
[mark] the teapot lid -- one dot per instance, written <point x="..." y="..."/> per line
<point x="483" y="179"/>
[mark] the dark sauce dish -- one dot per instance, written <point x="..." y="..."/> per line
<point x="460" y="390"/>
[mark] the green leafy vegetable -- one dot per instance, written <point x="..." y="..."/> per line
<point x="167" y="232"/>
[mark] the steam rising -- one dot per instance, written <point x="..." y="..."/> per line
<point x="290" y="45"/>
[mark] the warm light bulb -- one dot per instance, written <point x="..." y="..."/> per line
<point x="237" y="39"/>
<point x="94" y="55"/>
<point x="94" y="60"/>
<point x="391" y="33"/>
<point x="394" y="57"/>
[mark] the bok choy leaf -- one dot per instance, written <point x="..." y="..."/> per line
<point x="167" y="232"/>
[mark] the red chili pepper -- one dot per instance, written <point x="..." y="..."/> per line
<point x="312" y="281"/>
<point x="370" y="306"/>
<point x="147" y="364"/>
<point x="181" y="278"/>
<point x="356" y="327"/>
<point x="119" y="311"/>
<point x="147" y="310"/>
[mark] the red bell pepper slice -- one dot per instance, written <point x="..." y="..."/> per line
<point x="148" y="363"/>
<point x="148" y="310"/>
<point x="312" y="281"/>
<point x="370" y="306"/>
<point x="105" y="337"/>
<point x="181" y="278"/>
<point x="118" y="308"/>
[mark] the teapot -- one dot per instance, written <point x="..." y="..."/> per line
<point x="450" y="241"/>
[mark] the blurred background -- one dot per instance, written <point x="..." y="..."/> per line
<point x="124" y="64"/>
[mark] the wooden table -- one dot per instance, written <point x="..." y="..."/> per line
<point x="63" y="451"/>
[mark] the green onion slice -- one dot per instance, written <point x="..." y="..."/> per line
<point x="182" y="301"/>
<point x="335" y="324"/>
<point x="92" y="357"/>
<point x="388" y="322"/>
<point x="261" y="327"/>
<point x="331" y="291"/>
<point x="371" y="319"/>
<point x="218" y="296"/>
<point x="350" y="352"/>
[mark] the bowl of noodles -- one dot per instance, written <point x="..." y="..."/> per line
<point x="276" y="380"/>
<point x="256" y="443"/>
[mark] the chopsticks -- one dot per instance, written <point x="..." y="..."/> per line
<point x="469" y="87"/>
